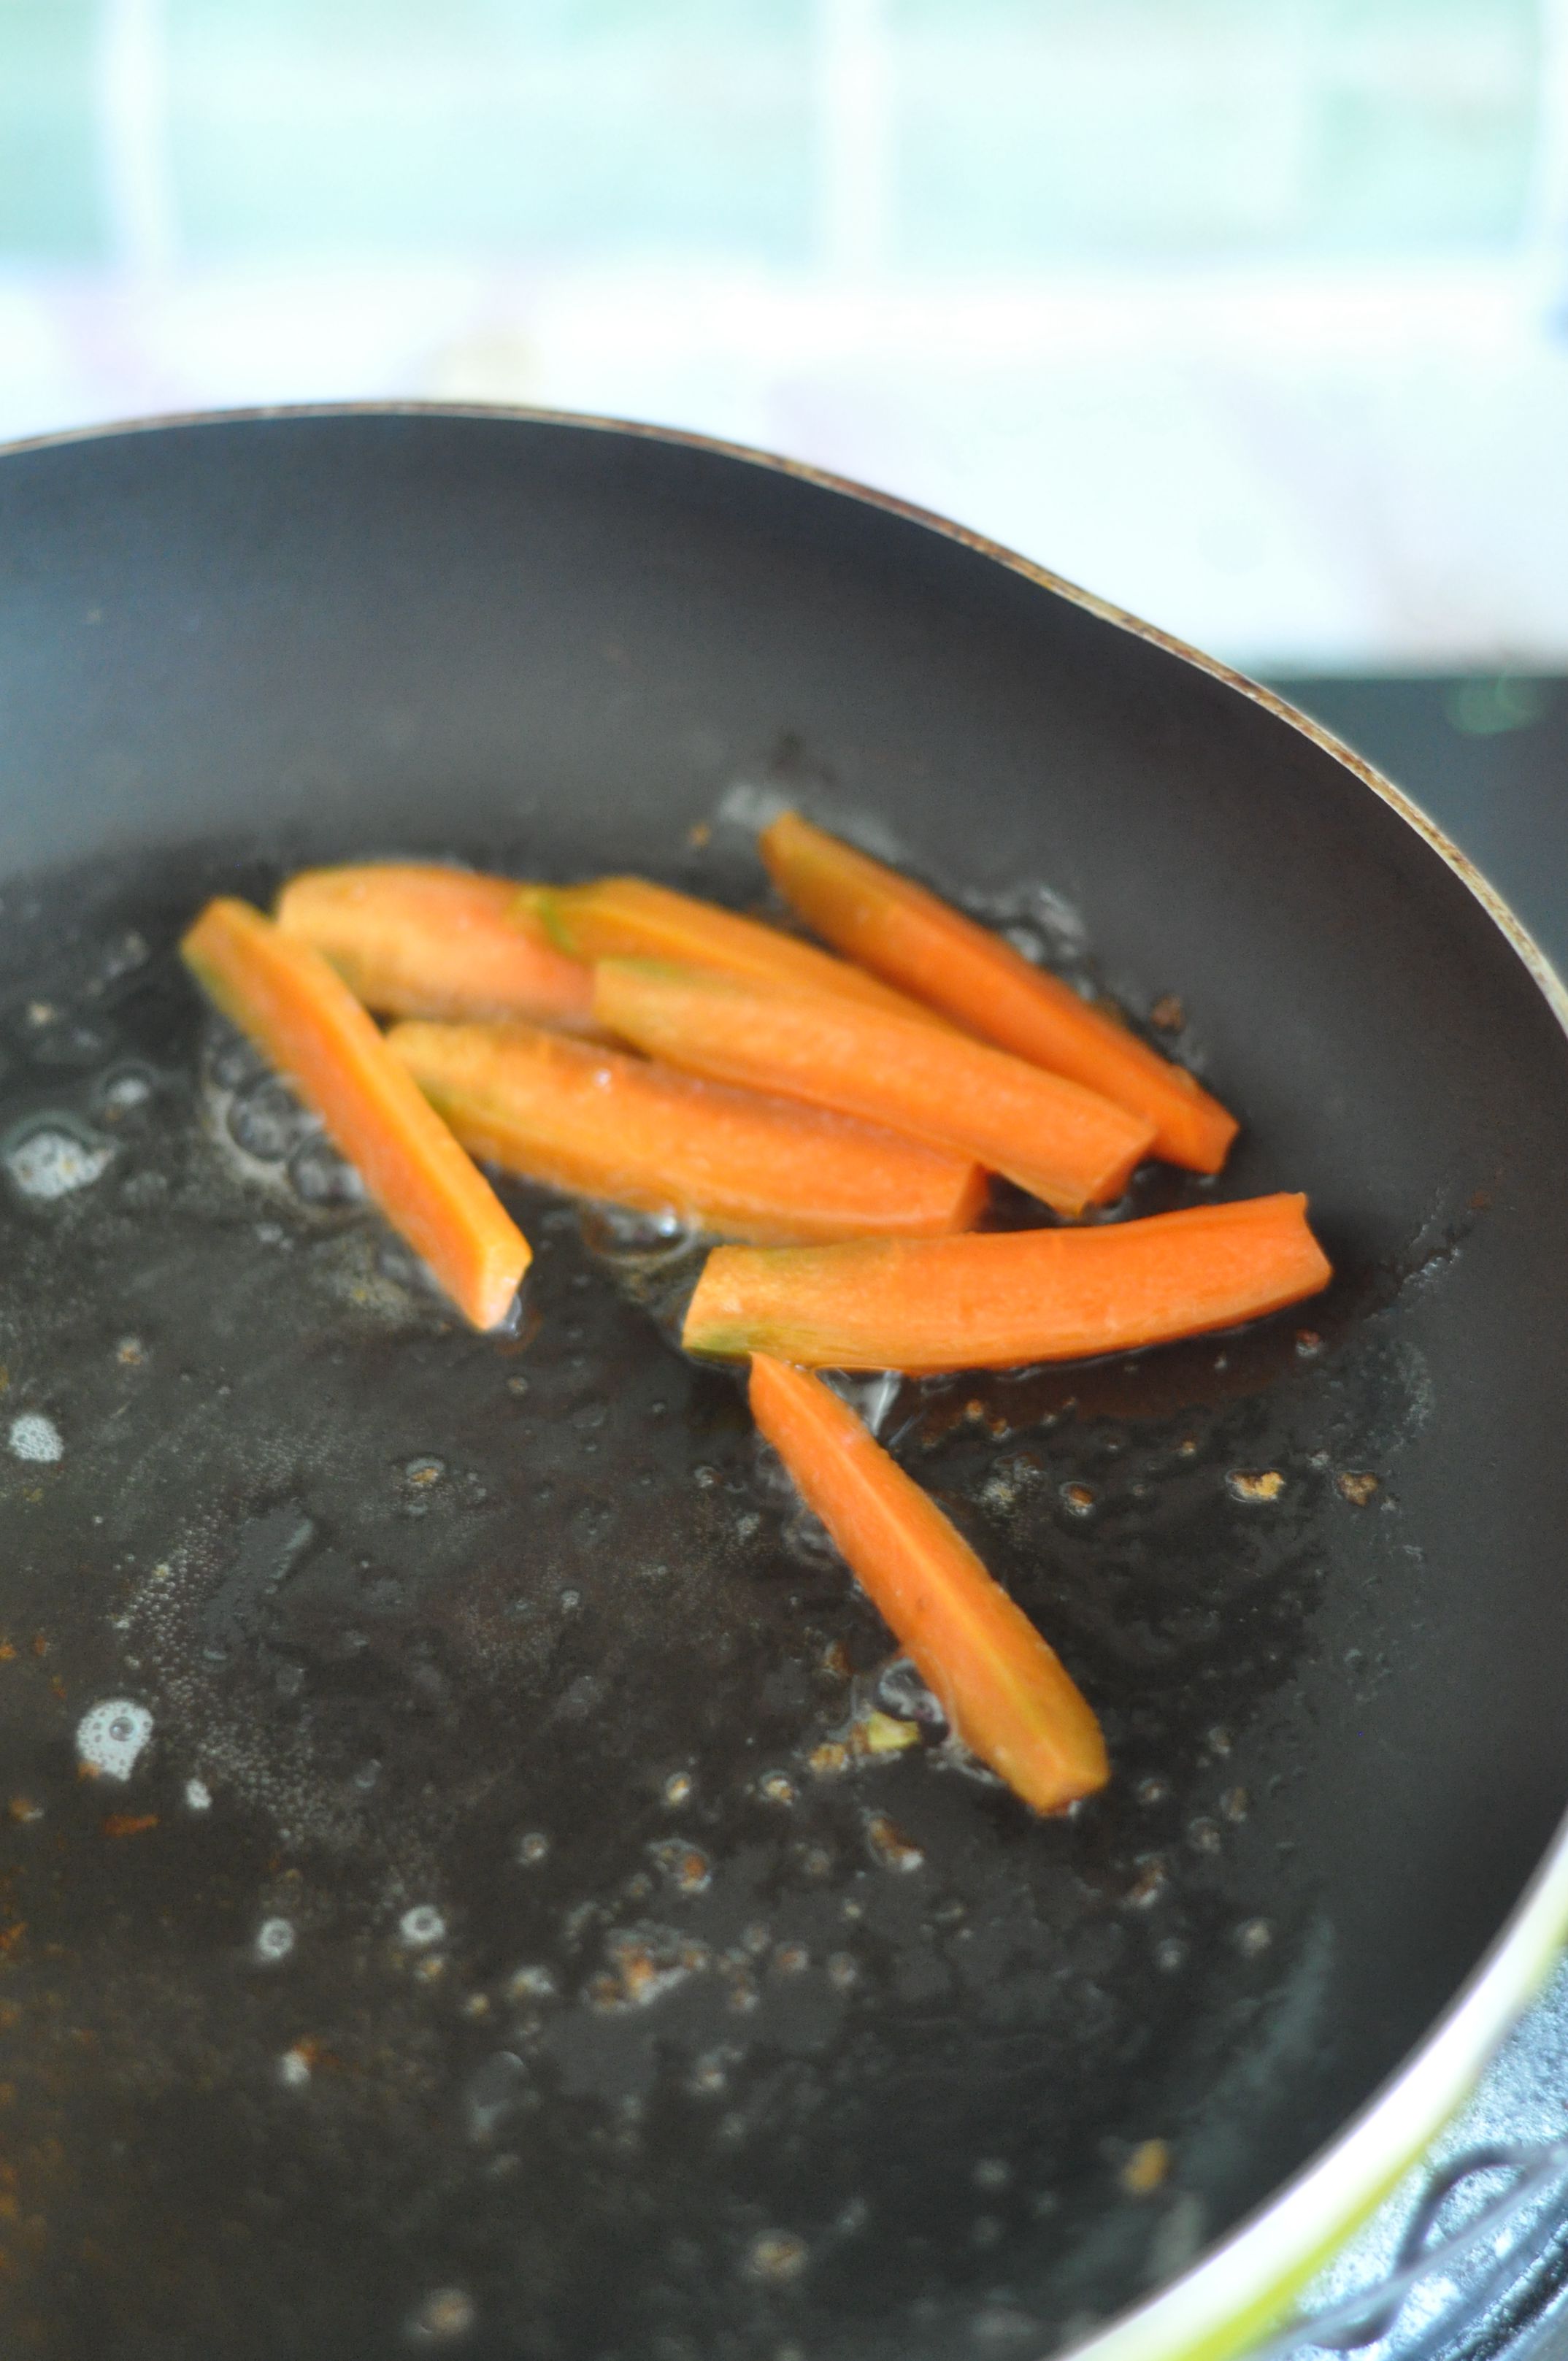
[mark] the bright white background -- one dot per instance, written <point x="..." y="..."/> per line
<point x="1251" y="314"/>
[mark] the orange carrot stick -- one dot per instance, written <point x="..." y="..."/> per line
<point x="627" y="917"/>
<point x="1006" y="1298"/>
<point x="932" y="951"/>
<point x="303" y="1016"/>
<point x="1003" y="1689"/>
<point x="1051" y="1136"/>
<point x="413" y="941"/>
<point x="727" y="1160"/>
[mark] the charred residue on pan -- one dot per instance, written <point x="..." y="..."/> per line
<point x="500" y="1674"/>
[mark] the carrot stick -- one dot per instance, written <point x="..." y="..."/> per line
<point x="423" y="941"/>
<point x="727" y="1160"/>
<point x="1006" y="1298"/>
<point x="1004" y="1691"/>
<point x="1051" y="1136"/>
<point x="627" y="917"/>
<point x="933" y="952"/>
<point x="303" y="1016"/>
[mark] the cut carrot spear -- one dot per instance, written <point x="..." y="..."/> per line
<point x="303" y="1016"/>
<point x="642" y="1135"/>
<point x="424" y="941"/>
<point x="931" y="951"/>
<point x="627" y="917"/>
<point x="1050" y="1135"/>
<point x="1009" y="1297"/>
<point x="1004" y="1691"/>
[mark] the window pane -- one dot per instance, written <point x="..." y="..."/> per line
<point x="51" y="203"/>
<point x="1040" y="131"/>
<point x="389" y="124"/>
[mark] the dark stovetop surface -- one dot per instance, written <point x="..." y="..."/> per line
<point x="1485" y="757"/>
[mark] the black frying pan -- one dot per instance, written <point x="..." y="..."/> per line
<point x="430" y="2013"/>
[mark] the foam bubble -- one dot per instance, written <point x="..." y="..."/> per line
<point x="776" y="2255"/>
<point x="123" y="1092"/>
<point x="198" y="1795"/>
<point x="234" y="1061"/>
<point x="266" y="1120"/>
<point x="423" y="1925"/>
<point x="110" y="1737"/>
<point x="749" y="805"/>
<point x="34" y="1436"/>
<point x="321" y="1176"/>
<point x="448" y="2314"/>
<point x="50" y="1163"/>
<point x="274" y="1940"/>
<point x="533" y="1983"/>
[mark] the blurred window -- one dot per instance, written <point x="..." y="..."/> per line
<point x="1040" y="131"/>
<point x="51" y="195"/>
<point x="989" y="136"/>
<point x="603" y="127"/>
<point x="1251" y="314"/>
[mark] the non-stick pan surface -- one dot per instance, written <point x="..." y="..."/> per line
<point x="473" y="1955"/>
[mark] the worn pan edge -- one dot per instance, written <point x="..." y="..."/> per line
<point x="1220" y="2307"/>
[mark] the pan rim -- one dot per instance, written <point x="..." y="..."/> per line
<point x="1243" y="2286"/>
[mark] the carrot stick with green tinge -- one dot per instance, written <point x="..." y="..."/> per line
<point x="629" y="918"/>
<point x="1003" y="1690"/>
<point x="932" y="951"/>
<point x="412" y="940"/>
<point x="1006" y="1298"/>
<point x="301" y="1016"/>
<point x="640" y="1133"/>
<point x="1052" y="1137"/>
